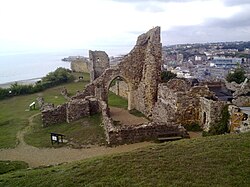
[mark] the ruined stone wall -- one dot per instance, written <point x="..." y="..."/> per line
<point x="210" y="112"/>
<point x="80" y="66"/>
<point x="98" y="62"/>
<point x="145" y="132"/>
<point x="140" y="69"/>
<point x="188" y="110"/>
<point x="179" y="102"/>
<point x="117" y="135"/>
<point x="77" y="109"/>
<point x="53" y="115"/>
<point x="242" y="101"/>
<point x="145" y="96"/>
<point x="166" y="106"/>
<point x="120" y="88"/>
<point x="70" y="111"/>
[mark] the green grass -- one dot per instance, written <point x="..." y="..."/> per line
<point x="8" y="166"/>
<point x="212" y="161"/>
<point x="13" y="114"/>
<point x="117" y="101"/>
<point x="86" y="131"/>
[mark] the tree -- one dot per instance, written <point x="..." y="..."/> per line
<point x="237" y="76"/>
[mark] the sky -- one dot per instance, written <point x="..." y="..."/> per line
<point x="114" y="25"/>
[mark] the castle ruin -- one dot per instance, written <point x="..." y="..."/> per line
<point x="168" y="105"/>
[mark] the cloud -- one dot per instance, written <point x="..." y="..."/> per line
<point x="143" y="1"/>
<point x="240" y="19"/>
<point x="235" y="2"/>
<point x="236" y="28"/>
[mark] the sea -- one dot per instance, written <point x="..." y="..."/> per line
<point x="31" y="66"/>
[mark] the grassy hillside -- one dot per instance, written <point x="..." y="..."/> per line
<point x="212" y="161"/>
<point x="14" y="112"/>
<point x="86" y="131"/>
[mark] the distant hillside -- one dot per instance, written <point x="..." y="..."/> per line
<point x="212" y="161"/>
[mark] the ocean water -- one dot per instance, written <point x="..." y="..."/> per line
<point x="25" y="66"/>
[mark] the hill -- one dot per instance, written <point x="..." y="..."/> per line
<point x="211" y="161"/>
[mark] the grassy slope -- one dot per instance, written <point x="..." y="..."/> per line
<point x="13" y="116"/>
<point x="82" y="132"/>
<point x="8" y="166"/>
<point x="212" y="161"/>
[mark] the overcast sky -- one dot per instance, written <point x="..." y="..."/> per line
<point x="106" y="24"/>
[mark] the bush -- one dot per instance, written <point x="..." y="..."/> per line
<point x="59" y="76"/>
<point x="193" y="127"/>
<point x="237" y="76"/>
<point x="167" y="75"/>
<point x="222" y="126"/>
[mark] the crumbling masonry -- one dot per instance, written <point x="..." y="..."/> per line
<point x="141" y="71"/>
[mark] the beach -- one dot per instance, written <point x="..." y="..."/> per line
<point x="21" y="82"/>
<point x="27" y="68"/>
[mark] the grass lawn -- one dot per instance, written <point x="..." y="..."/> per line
<point x="86" y="131"/>
<point x="211" y="161"/>
<point x="117" y="101"/>
<point x="14" y="112"/>
<point x="8" y="166"/>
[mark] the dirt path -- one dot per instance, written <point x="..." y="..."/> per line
<point x="122" y="115"/>
<point x="50" y="156"/>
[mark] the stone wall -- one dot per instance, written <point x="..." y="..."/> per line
<point x="70" y="111"/>
<point x="80" y="65"/>
<point x="120" y="88"/>
<point x="145" y="132"/>
<point x="178" y="102"/>
<point x="77" y="109"/>
<point x="53" y="115"/>
<point x="140" y="69"/>
<point x="98" y="63"/>
<point x="117" y="135"/>
<point x="210" y="112"/>
<point x="242" y="101"/>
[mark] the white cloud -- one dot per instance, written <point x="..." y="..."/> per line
<point x="89" y="23"/>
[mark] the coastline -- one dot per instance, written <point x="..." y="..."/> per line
<point x="22" y="82"/>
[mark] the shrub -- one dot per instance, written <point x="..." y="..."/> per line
<point x="193" y="127"/>
<point x="167" y="75"/>
<point x="59" y="76"/>
<point x="222" y="126"/>
<point x="237" y="76"/>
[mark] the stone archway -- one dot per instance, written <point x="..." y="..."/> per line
<point x="123" y="89"/>
<point x="140" y="68"/>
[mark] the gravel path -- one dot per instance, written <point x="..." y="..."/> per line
<point x="36" y="157"/>
<point x="50" y="156"/>
<point x="124" y="117"/>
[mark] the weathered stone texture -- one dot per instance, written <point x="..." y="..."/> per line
<point x="140" y="69"/>
<point x="98" y="63"/>
<point x="80" y="65"/>
<point x="239" y="89"/>
<point x="120" y="88"/>
<point x="210" y="112"/>
<point x="178" y="102"/>
<point x="40" y="101"/>
<point x="77" y="109"/>
<point x="242" y="101"/>
<point x="53" y="115"/>
<point x="145" y="132"/>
